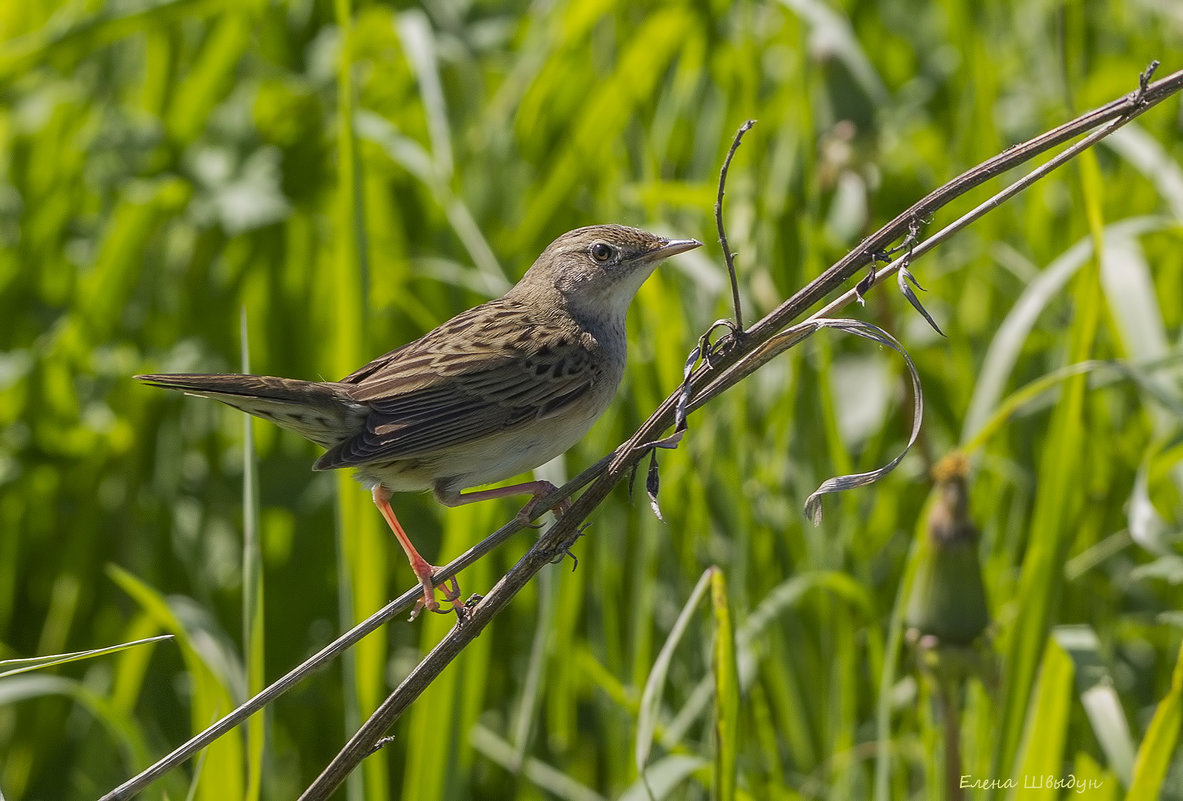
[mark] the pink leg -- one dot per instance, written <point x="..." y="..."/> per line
<point x="422" y="568"/>
<point x="535" y="488"/>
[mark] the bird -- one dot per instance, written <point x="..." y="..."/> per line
<point x="494" y="392"/>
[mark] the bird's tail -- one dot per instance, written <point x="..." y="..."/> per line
<point x="319" y="411"/>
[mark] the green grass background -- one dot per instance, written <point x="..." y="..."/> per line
<point x="343" y="176"/>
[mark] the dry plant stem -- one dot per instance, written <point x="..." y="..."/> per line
<point x="728" y="257"/>
<point x="706" y="382"/>
<point x="551" y="546"/>
<point x="1119" y="112"/>
<point x="293" y="677"/>
<point x="753" y="361"/>
<point x="977" y="212"/>
<point x="334" y="649"/>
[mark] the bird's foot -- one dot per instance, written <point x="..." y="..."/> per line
<point x="451" y="590"/>
<point x="527" y="515"/>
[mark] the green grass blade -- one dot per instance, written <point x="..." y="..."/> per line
<point x="1159" y="749"/>
<point x="1056" y="507"/>
<point x="211" y="672"/>
<point x="552" y="780"/>
<point x="1041" y="754"/>
<point x="726" y="672"/>
<point x="11" y="667"/>
<point x="1095" y="686"/>
<point x="253" y="617"/>
<point x="361" y="546"/>
<point x="647" y="715"/>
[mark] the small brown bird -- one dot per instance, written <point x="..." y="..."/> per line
<point x="495" y="391"/>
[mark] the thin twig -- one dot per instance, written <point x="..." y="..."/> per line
<point x="708" y="380"/>
<point x="728" y="256"/>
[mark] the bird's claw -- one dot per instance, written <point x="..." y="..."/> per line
<point x="451" y="590"/>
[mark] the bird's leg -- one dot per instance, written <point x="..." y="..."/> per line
<point x="537" y="489"/>
<point x="422" y="568"/>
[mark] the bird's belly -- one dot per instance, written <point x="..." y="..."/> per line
<point x="483" y="461"/>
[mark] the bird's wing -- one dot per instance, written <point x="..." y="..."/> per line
<point x="489" y="369"/>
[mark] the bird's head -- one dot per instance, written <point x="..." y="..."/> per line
<point x="598" y="269"/>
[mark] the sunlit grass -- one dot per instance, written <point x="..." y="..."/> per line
<point x="164" y="166"/>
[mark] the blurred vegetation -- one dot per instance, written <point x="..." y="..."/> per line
<point x="345" y="176"/>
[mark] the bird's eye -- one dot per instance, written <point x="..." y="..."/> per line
<point x="601" y="251"/>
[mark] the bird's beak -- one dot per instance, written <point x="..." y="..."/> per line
<point x="672" y="247"/>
